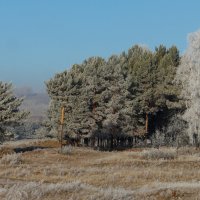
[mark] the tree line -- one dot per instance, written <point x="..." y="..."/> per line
<point x="118" y="102"/>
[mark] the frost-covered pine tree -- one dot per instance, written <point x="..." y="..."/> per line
<point x="9" y="109"/>
<point x="188" y="75"/>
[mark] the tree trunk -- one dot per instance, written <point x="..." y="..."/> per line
<point x="147" y="124"/>
<point x="111" y="142"/>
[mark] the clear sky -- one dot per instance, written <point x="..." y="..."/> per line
<point x="39" y="38"/>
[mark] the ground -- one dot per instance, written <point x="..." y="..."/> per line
<point x="39" y="171"/>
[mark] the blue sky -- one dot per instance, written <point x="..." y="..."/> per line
<point x="39" y="38"/>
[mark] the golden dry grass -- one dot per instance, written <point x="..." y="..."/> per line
<point x="5" y="150"/>
<point x="89" y="174"/>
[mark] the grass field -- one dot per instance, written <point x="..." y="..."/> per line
<point x="83" y="173"/>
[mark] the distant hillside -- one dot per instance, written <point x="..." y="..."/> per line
<point x="36" y="103"/>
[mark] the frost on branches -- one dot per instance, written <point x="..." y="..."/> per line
<point x="10" y="114"/>
<point x="189" y="76"/>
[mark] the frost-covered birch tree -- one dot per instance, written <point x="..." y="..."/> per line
<point x="188" y="75"/>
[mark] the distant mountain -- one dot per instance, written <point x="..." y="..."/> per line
<point x="36" y="103"/>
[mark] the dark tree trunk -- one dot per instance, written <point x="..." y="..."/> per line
<point x="147" y="124"/>
<point x="111" y="142"/>
<point x="86" y="141"/>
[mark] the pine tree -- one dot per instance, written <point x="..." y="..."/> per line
<point x="141" y="81"/>
<point x="156" y="94"/>
<point x="10" y="113"/>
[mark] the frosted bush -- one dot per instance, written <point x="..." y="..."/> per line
<point x="67" y="150"/>
<point x="11" y="159"/>
<point x="156" y="154"/>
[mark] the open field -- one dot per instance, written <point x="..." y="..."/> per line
<point x="83" y="173"/>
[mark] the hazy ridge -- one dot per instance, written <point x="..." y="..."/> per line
<point x="35" y="102"/>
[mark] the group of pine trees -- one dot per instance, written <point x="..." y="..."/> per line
<point x="112" y="102"/>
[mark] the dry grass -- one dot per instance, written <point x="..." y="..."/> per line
<point x="5" y="150"/>
<point x="88" y="174"/>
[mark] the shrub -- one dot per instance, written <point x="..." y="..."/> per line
<point x="156" y="154"/>
<point x="11" y="159"/>
<point x="67" y="150"/>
